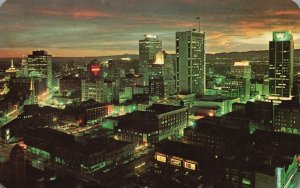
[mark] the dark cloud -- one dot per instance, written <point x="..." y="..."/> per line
<point x="115" y="26"/>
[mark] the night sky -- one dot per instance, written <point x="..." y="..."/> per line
<point x="108" y="27"/>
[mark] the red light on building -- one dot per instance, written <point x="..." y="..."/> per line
<point x="95" y="69"/>
<point x="298" y="159"/>
<point x="22" y="145"/>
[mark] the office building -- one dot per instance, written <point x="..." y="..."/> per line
<point x="20" y="87"/>
<point x="241" y="70"/>
<point x="217" y="135"/>
<point x="24" y="67"/>
<point x="39" y="62"/>
<point x="236" y="87"/>
<point x="50" y="148"/>
<point x="190" y="65"/>
<point x="120" y="68"/>
<point x="158" y="123"/>
<point x="95" y="87"/>
<point x="287" y="117"/>
<point x="69" y="84"/>
<point x="93" y="90"/>
<point x="258" y="89"/>
<point x="89" y="112"/>
<point x="148" y="48"/>
<point x="224" y="103"/>
<point x="281" y="65"/>
<point x="161" y="77"/>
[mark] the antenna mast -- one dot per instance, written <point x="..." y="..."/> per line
<point x="199" y="24"/>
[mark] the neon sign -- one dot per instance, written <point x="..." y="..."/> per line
<point x="281" y="36"/>
<point x="95" y="69"/>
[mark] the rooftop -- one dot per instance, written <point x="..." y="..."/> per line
<point x="186" y="151"/>
<point x="214" y="98"/>
<point x="139" y="121"/>
<point x="162" y="108"/>
<point x="84" y="145"/>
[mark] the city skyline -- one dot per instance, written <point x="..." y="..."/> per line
<point x="98" y="27"/>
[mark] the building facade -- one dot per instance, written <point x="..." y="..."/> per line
<point x="236" y="87"/>
<point x="40" y="62"/>
<point x="148" y="47"/>
<point x="158" y="123"/>
<point x="190" y="65"/>
<point x="281" y="65"/>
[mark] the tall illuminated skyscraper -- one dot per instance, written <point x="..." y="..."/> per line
<point x="281" y="65"/>
<point x="148" y="48"/>
<point x="191" y="64"/>
<point x="41" y="63"/>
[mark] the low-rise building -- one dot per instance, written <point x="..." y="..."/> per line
<point x="51" y="148"/>
<point x="217" y="135"/>
<point x="159" y="122"/>
<point x="87" y="113"/>
<point x="224" y="103"/>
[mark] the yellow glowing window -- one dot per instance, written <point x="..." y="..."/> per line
<point x="190" y="166"/>
<point x="161" y="158"/>
<point x="175" y="162"/>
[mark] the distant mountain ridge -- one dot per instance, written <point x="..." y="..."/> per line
<point x="247" y="54"/>
<point x="259" y="54"/>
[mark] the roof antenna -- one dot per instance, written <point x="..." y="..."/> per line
<point x="199" y="25"/>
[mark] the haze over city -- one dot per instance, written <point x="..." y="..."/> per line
<point x="110" y="27"/>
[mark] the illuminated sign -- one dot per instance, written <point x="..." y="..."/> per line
<point x="279" y="177"/>
<point x="175" y="162"/>
<point x="95" y="69"/>
<point x="161" y="158"/>
<point x="189" y="165"/>
<point x="281" y="36"/>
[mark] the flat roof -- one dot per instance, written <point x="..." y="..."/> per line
<point x="138" y="121"/>
<point x="214" y="98"/>
<point x="163" y="108"/>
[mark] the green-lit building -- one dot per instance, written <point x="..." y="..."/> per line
<point x="281" y="64"/>
<point x="190" y="65"/>
<point x="237" y="88"/>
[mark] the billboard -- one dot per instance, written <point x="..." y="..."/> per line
<point x="189" y="165"/>
<point x="161" y="158"/>
<point x="175" y="162"/>
<point x="279" y="36"/>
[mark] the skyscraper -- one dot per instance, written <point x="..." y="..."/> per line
<point x="190" y="65"/>
<point x="148" y="47"/>
<point x="281" y="64"/>
<point x="161" y="76"/>
<point x="40" y="62"/>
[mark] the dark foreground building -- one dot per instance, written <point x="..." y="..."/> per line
<point x="51" y="149"/>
